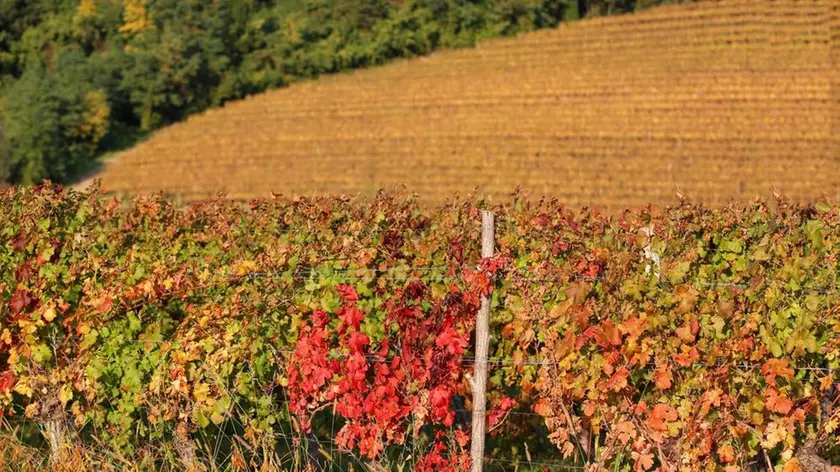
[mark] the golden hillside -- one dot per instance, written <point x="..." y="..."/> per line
<point x="720" y="99"/>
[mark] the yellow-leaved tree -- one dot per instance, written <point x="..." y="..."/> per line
<point x="135" y="16"/>
<point x="94" y="126"/>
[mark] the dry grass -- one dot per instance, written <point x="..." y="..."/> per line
<point x="730" y="98"/>
<point x="17" y="455"/>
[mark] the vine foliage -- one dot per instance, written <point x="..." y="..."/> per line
<point x="684" y="338"/>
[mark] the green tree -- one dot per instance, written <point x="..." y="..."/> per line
<point x="4" y="157"/>
<point x="54" y="121"/>
<point x="525" y="15"/>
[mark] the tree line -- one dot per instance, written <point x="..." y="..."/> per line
<point x="81" y="78"/>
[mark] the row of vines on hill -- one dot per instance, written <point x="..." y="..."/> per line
<point x="682" y="339"/>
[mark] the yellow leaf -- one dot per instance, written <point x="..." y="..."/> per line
<point x="774" y="434"/>
<point x="49" y="314"/>
<point x="200" y="391"/>
<point x="787" y="454"/>
<point x="135" y="18"/>
<point x="65" y="394"/>
<point x="246" y="267"/>
<point x="31" y="410"/>
<point x="27" y="326"/>
<point x="831" y="424"/>
<point x="86" y="9"/>
<point x="23" y="388"/>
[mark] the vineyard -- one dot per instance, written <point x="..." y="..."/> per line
<point x="713" y="100"/>
<point x="332" y="333"/>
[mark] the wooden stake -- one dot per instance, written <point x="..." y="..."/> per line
<point x="482" y="346"/>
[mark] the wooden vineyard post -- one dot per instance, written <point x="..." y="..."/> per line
<point x="482" y="346"/>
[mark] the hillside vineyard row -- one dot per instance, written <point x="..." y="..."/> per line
<point x="717" y="99"/>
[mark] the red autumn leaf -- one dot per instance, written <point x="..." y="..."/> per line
<point x="371" y="446"/>
<point x="776" y="368"/>
<point x="19" y="243"/>
<point x="24" y="273"/>
<point x="348" y="408"/>
<point x="777" y="403"/>
<point x="7" y="381"/>
<point x="452" y="341"/>
<point x="319" y="377"/>
<point x="351" y="316"/>
<point x="462" y="437"/>
<point x="347" y="293"/>
<point x="498" y="412"/>
<point x="415" y="290"/>
<point x="479" y="282"/>
<point x="20" y="301"/>
<point x="358" y="341"/>
<point x="440" y="398"/>
<point x="319" y="319"/>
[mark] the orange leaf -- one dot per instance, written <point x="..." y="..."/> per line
<point x="792" y="466"/>
<point x="777" y="403"/>
<point x="662" y="413"/>
<point x="644" y="461"/>
<point x="618" y="379"/>
<point x="633" y="327"/>
<point x="626" y="431"/>
<point x="663" y="378"/>
<point x="105" y="306"/>
<point x="685" y="360"/>
<point x="606" y="334"/>
<point x="726" y="454"/>
<point x="711" y="399"/>
<point x="776" y="368"/>
<point x="685" y="334"/>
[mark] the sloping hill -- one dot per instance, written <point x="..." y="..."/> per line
<point x="718" y="99"/>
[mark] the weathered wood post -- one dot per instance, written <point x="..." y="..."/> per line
<point x="482" y="346"/>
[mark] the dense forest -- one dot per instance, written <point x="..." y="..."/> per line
<point x="81" y="78"/>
